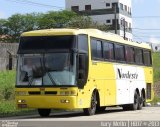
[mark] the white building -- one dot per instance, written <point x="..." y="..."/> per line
<point x="103" y="12"/>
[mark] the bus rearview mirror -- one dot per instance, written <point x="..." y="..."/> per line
<point x="81" y="69"/>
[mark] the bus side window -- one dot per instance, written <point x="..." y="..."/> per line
<point x="119" y="53"/>
<point x="83" y="43"/>
<point x="138" y="56"/>
<point x="96" y="48"/>
<point x="130" y="54"/>
<point x="108" y="51"/>
<point x="82" y="60"/>
<point x="147" y="57"/>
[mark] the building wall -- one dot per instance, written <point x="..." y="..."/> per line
<point x="109" y="14"/>
<point x="96" y="4"/>
<point x="5" y="49"/>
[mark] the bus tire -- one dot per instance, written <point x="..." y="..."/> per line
<point x="134" y="106"/>
<point x="92" y="109"/>
<point x="44" y="112"/>
<point x="101" y="109"/>
<point x="140" y="103"/>
<point x="126" y="107"/>
<point x="143" y="101"/>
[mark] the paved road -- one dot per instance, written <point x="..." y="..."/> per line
<point x="112" y="114"/>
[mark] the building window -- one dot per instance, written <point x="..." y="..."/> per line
<point x="108" y="4"/>
<point x="121" y="6"/>
<point x="87" y="7"/>
<point x="128" y="10"/>
<point x="130" y="25"/>
<point x="126" y="24"/>
<point x="125" y="7"/>
<point x="122" y="22"/>
<point x="75" y="8"/>
<point x="108" y="21"/>
<point x="115" y="5"/>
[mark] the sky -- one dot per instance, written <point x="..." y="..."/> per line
<point x="147" y="16"/>
<point x="145" y="13"/>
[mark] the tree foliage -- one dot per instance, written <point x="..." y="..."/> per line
<point x="86" y="22"/>
<point x="55" y="19"/>
<point x="11" y="28"/>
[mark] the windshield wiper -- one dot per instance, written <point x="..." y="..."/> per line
<point x="34" y="74"/>
<point x="31" y="80"/>
<point x="48" y="73"/>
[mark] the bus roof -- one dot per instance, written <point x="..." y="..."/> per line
<point x="91" y="32"/>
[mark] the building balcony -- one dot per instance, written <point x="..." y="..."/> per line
<point x="102" y="12"/>
<point x="119" y="27"/>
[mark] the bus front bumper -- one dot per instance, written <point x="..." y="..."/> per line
<point x="48" y="102"/>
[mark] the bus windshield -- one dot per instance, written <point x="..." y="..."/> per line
<point x="43" y="44"/>
<point x="50" y="69"/>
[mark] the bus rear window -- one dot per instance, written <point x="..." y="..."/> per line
<point x="147" y="57"/>
<point x="46" y="43"/>
<point x="139" y="56"/>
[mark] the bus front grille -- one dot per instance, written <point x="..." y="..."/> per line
<point x="34" y="92"/>
<point x="51" y="92"/>
<point x="40" y="92"/>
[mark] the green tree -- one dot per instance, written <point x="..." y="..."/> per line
<point x="3" y="30"/>
<point x="11" y="28"/>
<point x="30" y="21"/>
<point x="86" y="22"/>
<point x="54" y="19"/>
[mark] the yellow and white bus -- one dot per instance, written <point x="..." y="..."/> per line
<point x="82" y="69"/>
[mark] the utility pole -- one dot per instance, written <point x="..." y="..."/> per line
<point x="115" y="17"/>
<point x="124" y="26"/>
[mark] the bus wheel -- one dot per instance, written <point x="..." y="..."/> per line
<point x="140" y="103"/>
<point x="101" y="109"/>
<point x="91" y="111"/>
<point x="125" y="107"/>
<point x="134" y="106"/>
<point x="143" y="101"/>
<point x="44" y="112"/>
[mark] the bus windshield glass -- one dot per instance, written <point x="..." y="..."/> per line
<point x="43" y="44"/>
<point x="50" y="69"/>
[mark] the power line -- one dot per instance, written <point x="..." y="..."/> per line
<point x="144" y="29"/>
<point x="148" y="36"/>
<point x="140" y="38"/>
<point x="34" y="3"/>
<point x="141" y="17"/>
